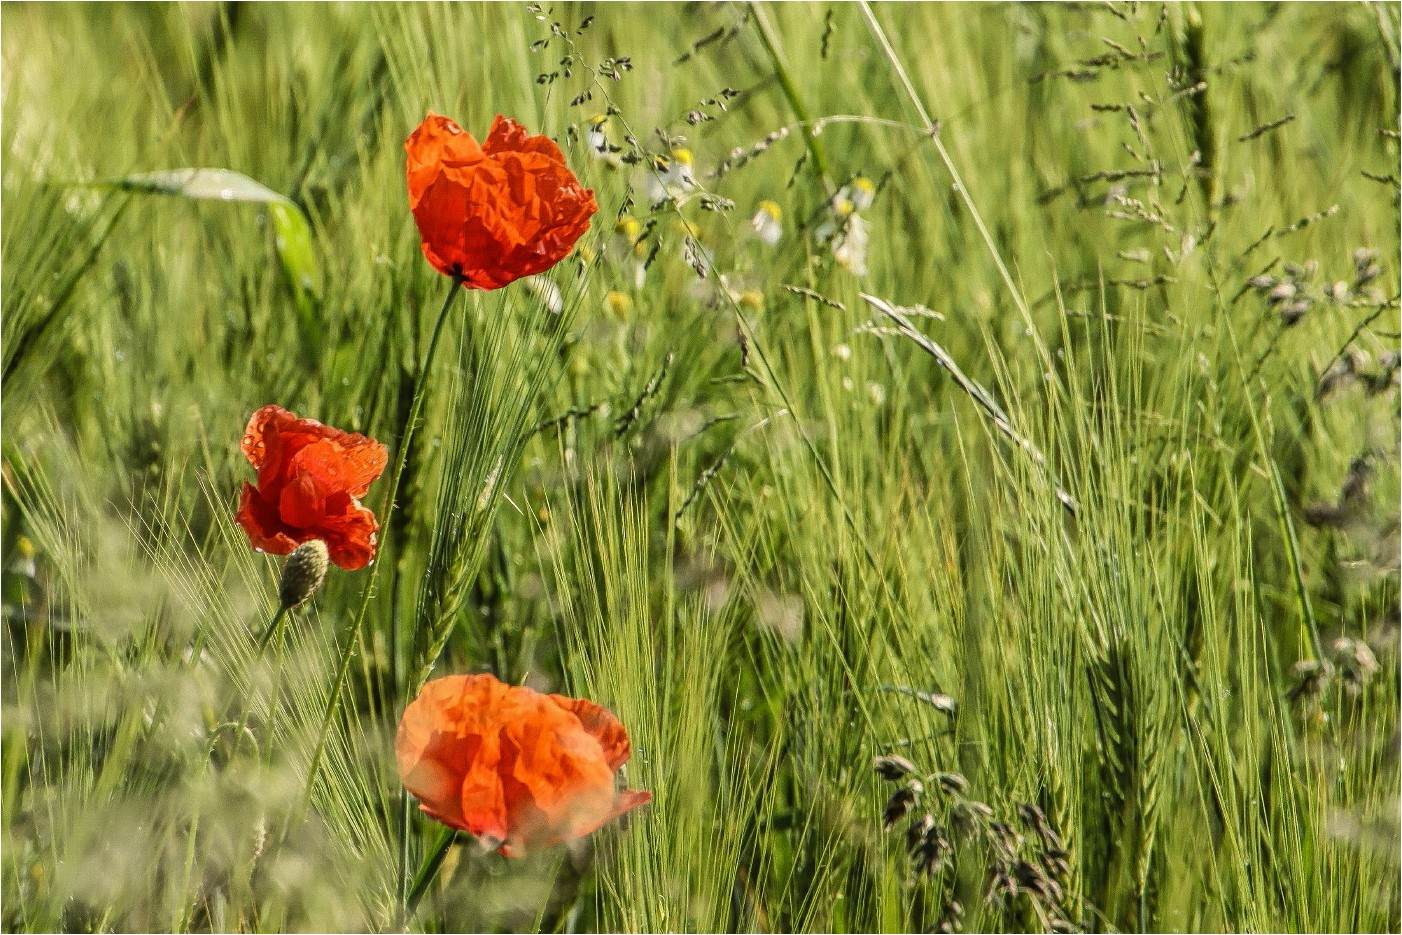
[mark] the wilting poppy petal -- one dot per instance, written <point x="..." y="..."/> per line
<point x="601" y="725"/>
<point x="310" y="479"/>
<point x="496" y="212"/>
<point x="520" y="770"/>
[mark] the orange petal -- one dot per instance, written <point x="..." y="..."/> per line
<point x="495" y="213"/>
<point x="256" y="435"/>
<point x="437" y="143"/>
<point x="310" y="477"/>
<point x="509" y="136"/>
<point x="599" y="723"/>
<point x="517" y="768"/>
<point x="343" y="462"/>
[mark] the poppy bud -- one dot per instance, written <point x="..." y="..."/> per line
<point x="303" y="574"/>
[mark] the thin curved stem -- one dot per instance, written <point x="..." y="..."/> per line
<point x="405" y="443"/>
<point x="272" y="629"/>
<point x="1018" y="299"/>
<point x="353" y="637"/>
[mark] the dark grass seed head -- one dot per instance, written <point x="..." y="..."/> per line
<point x="892" y="767"/>
<point x="934" y="849"/>
<point x="968" y="817"/>
<point x="1054" y="860"/>
<point x="1311" y="678"/>
<point x="951" y="917"/>
<point x="1004" y="837"/>
<point x="900" y="804"/>
<point x="1033" y="879"/>
<point x="916" y="832"/>
<point x="952" y="783"/>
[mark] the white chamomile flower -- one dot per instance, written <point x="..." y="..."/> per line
<point x="671" y="177"/>
<point x="547" y="292"/>
<point x="766" y="222"/>
<point x="598" y="140"/>
<point x="831" y="229"/>
<point x="861" y="192"/>
<point x="850" y="249"/>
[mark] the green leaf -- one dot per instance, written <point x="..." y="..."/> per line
<point x="290" y="226"/>
<point x="294" y="246"/>
<point x="207" y="184"/>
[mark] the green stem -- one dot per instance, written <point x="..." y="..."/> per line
<point x="353" y="637"/>
<point x="279" y="644"/>
<point x="428" y="871"/>
<point x="781" y="71"/>
<point x="405" y="443"/>
<point x="271" y="630"/>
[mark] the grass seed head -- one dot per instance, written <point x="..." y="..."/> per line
<point x="919" y="828"/>
<point x="952" y="783"/>
<point x="951" y="918"/>
<point x="1311" y="678"/>
<point x="899" y="805"/>
<point x="892" y="767"/>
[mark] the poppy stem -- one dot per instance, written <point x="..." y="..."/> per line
<point x="427" y="873"/>
<point x="272" y="629"/>
<point x="420" y="382"/>
<point x="353" y="637"/>
<point x="396" y="665"/>
<point x="402" y="458"/>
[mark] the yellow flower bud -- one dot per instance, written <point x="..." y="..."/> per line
<point x="619" y="305"/>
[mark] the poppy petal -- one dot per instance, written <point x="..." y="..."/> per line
<point x="350" y="537"/>
<point x="310" y="479"/>
<point x="348" y="463"/>
<point x="437" y="142"/>
<point x="516" y="768"/>
<point x="260" y="521"/>
<point x="496" y="212"/>
<point x="600" y="724"/>
<point x="507" y="135"/>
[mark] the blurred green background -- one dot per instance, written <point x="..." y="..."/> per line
<point x="718" y="490"/>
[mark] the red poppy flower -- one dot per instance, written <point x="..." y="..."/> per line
<point x="495" y="212"/>
<point x="310" y="481"/>
<point x="520" y="770"/>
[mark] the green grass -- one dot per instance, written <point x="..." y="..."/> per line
<point x="754" y="521"/>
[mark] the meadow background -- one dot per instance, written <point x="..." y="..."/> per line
<point x="719" y="491"/>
